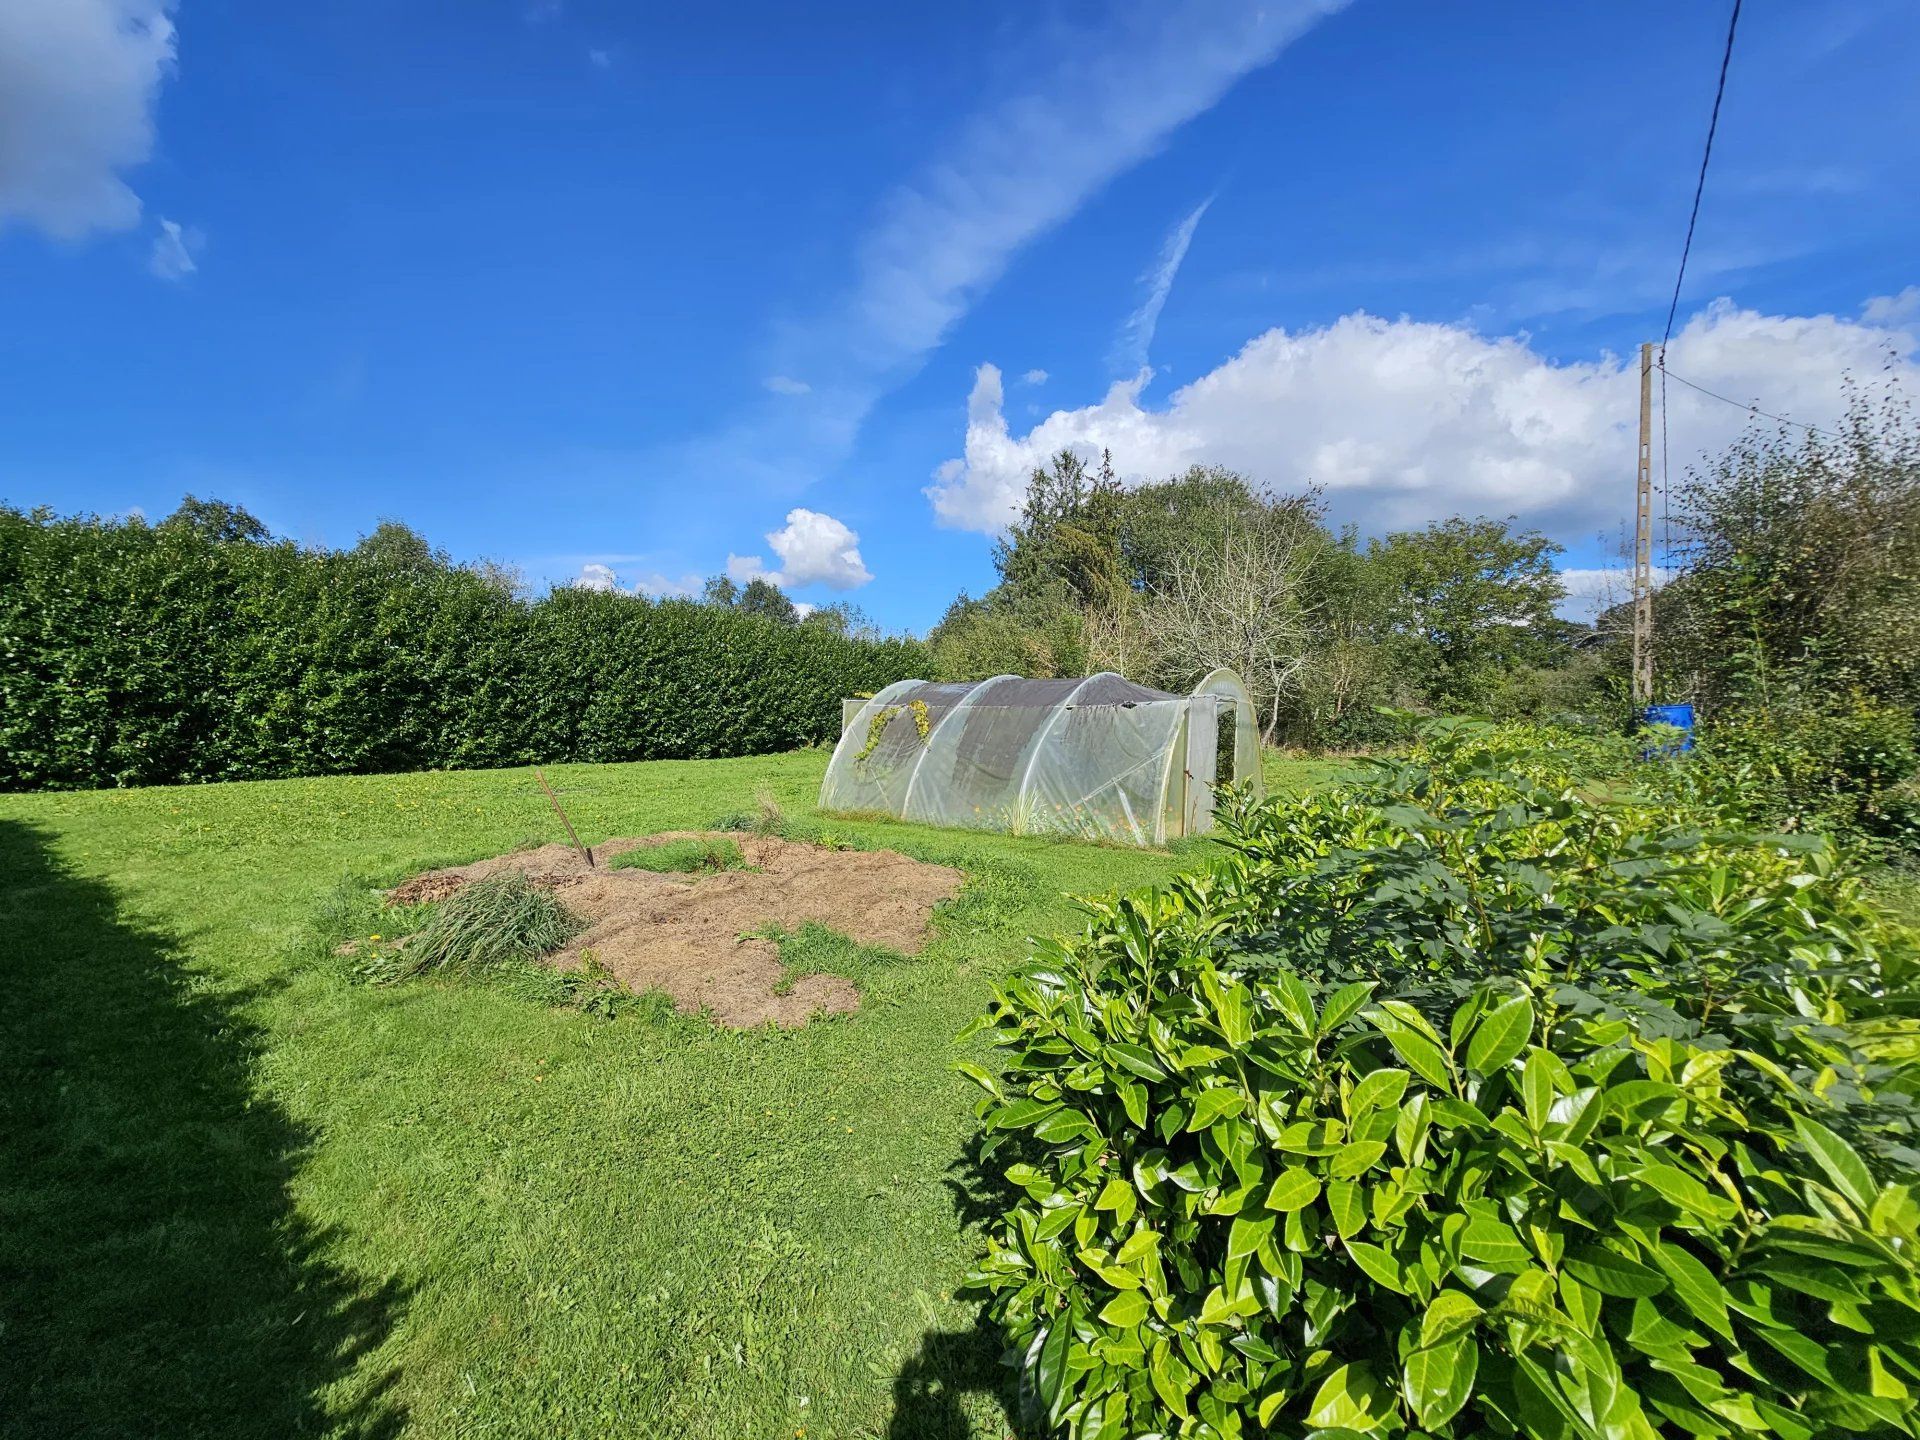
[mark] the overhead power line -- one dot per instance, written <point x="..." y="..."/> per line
<point x="1751" y="409"/>
<point x="1700" y="186"/>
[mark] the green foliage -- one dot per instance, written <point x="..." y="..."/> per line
<point x="198" y="650"/>
<point x="763" y="597"/>
<point x="1041" y="636"/>
<point x="1482" y="1097"/>
<point x="493" y="923"/>
<point x="1463" y="602"/>
<point x="1844" y="765"/>
<point x="1802" y="555"/>
<point x="681" y="857"/>
<point x="1165" y="581"/>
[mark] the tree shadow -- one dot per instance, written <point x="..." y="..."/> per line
<point x="958" y="1386"/>
<point x="155" y="1277"/>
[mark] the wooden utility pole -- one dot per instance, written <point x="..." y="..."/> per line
<point x="1643" y="542"/>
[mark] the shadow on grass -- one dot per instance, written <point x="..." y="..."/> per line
<point x="957" y="1387"/>
<point x="154" y="1276"/>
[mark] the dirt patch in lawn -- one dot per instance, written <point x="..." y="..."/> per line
<point x="689" y="935"/>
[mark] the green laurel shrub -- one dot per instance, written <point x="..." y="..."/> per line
<point x="1409" y="1118"/>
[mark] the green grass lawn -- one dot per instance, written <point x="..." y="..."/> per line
<point x="242" y="1193"/>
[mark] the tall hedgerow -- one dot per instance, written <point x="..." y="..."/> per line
<point x="192" y="650"/>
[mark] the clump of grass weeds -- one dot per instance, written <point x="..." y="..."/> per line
<point x="680" y="857"/>
<point x="502" y="920"/>
<point x="766" y="817"/>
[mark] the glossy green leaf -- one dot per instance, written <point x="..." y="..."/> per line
<point x="1612" y="1273"/>
<point x="1214" y="1104"/>
<point x="1380" y="1088"/>
<point x="1842" y="1164"/>
<point x="1125" y="1310"/>
<point x="1295" y="1188"/>
<point x="1119" y="1197"/>
<point x="1343" y="1005"/>
<point x="1347" y="1204"/>
<point x="1350" y="1398"/>
<point x="1489" y="1240"/>
<point x="1050" y="1366"/>
<point x="1449" y="1314"/>
<point x="1501" y="1035"/>
<point x="1437" y="1381"/>
<point x="1381" y="1267"/>
<point x="1356" y="1157"/>
<point x="1172" y="1381"/>
<point x="1248" y="1233"/>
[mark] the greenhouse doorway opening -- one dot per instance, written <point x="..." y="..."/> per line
<point x="1102" y="758"/>
<point x="1223" y="747"/>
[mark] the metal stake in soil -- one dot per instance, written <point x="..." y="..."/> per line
<point x="554" y="800"/>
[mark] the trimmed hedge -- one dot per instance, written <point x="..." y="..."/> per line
<point x="133" y="654"/>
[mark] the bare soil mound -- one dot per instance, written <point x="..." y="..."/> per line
<point x="687" y="935"/>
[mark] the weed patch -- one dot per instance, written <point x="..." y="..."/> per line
<point x="503" y="919"/>
<point x="682" y="857"/>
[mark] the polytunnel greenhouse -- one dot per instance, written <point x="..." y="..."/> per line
<point x="1101" y="757"/>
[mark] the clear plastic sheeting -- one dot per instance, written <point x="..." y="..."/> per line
<point x="1101" y="757"/>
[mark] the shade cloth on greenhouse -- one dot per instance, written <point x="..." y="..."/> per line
<point x="1099" y="757"/>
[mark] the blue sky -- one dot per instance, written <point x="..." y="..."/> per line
<point x="645" y="292"/>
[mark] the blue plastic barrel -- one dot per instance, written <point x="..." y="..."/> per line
<point x="1678" y="716"/>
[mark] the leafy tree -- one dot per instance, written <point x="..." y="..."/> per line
<point x="1801" y="565"/>
<point x="1040" y="635"/>
<point x="1067" y="538"/>
<point x="217" y="520"/>
<point x="763" y="597"/>
<point x="843" y="618"/>
<point x="1466" y="600"/>
<point x="1162" y="522"/>
<point x="720" y="590"/>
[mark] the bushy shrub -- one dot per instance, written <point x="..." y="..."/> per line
<point x="1844" y="765"/>
<point x="1467" y="1102"/>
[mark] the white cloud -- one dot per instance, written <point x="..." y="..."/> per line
<point x="787" y="385"/>
<point x="665" y="587"/>
<point x="596" y="576"/>
<point x="1083" y="104"/>
<point x="1893" y="309"/>
<point x="1035" y="377"/>
<point x="813" y="549"/>
<point x="1403" y="421"/>
<point x="1591" y="590"/>
<point x="803" y="609"/>
<point x="1136" y="336"/>
<point x="78" y="79"/>
<point x="1022" y="166"/>
<point x="600" y="59"/>
<point x="173" y="251"/>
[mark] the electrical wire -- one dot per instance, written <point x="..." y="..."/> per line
<point x="1751" y="409"/>
<point x="1700" y="186"/>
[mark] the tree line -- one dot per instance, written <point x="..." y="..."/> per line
<point x="1166" y="581"/>
<point x="1791" y="619"/>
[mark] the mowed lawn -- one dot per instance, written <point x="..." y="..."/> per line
<point x="242" y="1193"/>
